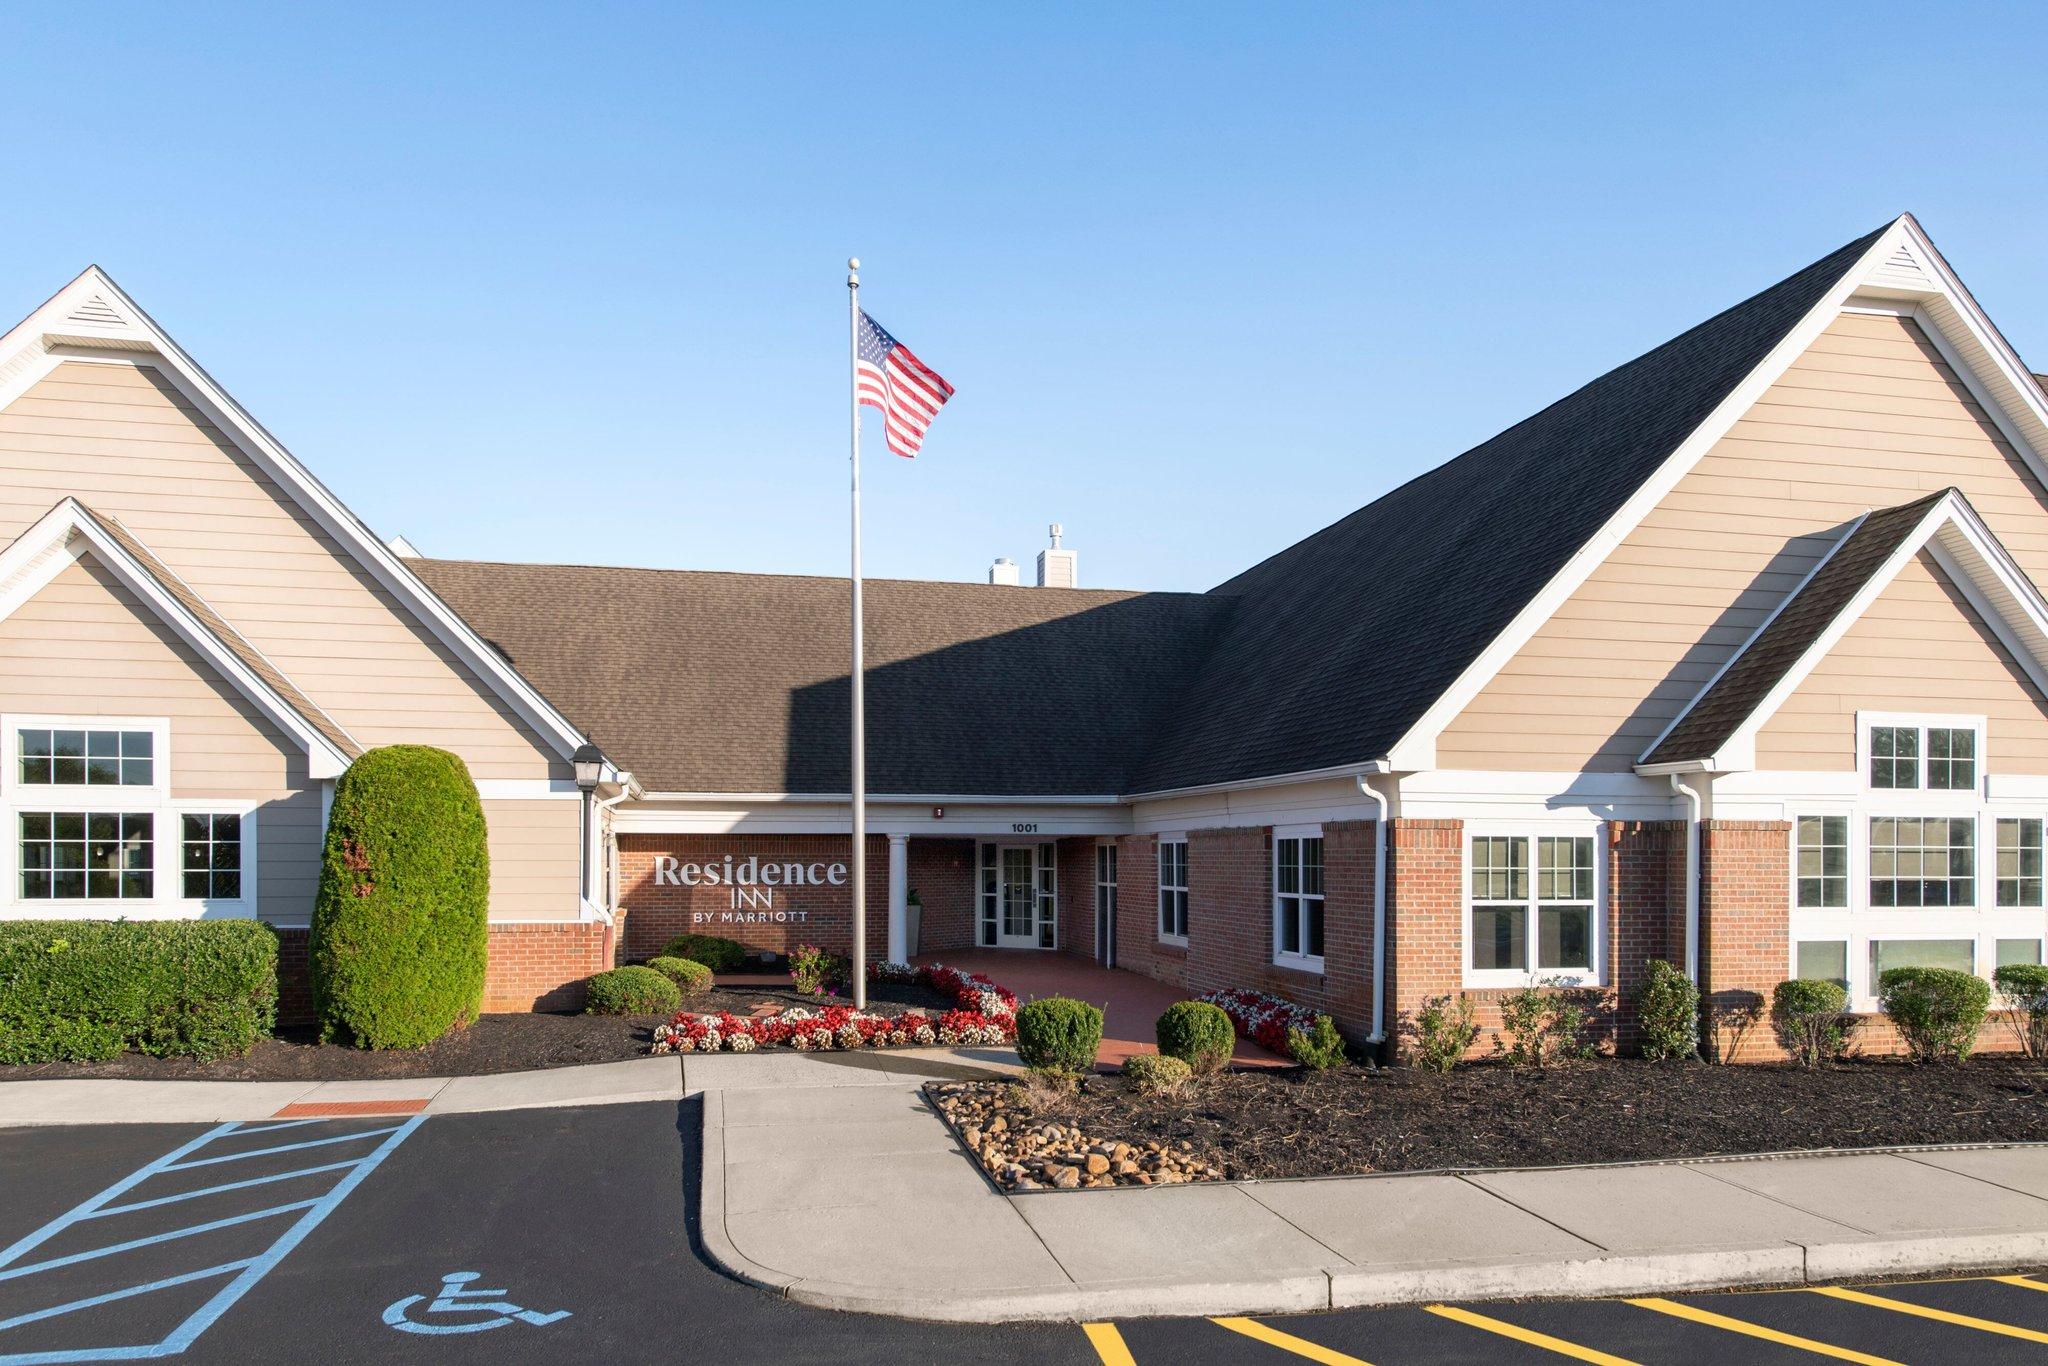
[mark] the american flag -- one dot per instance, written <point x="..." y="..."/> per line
<point x="888" y="376"/>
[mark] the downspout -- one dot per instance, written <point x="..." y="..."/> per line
<point x="1692" y="877"/>
<point x="594" y="865"/>
<point x="1379" y="911"/>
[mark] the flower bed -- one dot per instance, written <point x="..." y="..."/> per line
<point x="984" y="1014"/>
<point x="1263" y="1019"/>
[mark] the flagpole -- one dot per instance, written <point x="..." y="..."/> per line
<point x="858" y="674"/>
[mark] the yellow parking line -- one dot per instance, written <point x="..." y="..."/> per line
<point x="1528" y="1335"/>
<point x="1757" y="1330"/>
<point x="1287" y="1342"/>
<point x="1108" y="1344"/>
<point x="2028" y="1281"/>
<point x="1938" y="1315"/>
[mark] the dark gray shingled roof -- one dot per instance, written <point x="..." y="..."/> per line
<point x="1341" y="642"/>
<point x="1728" y="701"/>
<point x="1322" y="656"/>
<point x="707" y="682"/>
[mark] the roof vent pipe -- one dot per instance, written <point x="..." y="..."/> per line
<point x="1057" y="566"/>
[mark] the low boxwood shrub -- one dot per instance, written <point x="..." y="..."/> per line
<point x="89" y="990"/>
<point x="1155" y="1074"/>
<point x="1058" y="1033"/>
<point x="1808" y="1016"/>
<point x="1539" y="1027"/>
<point x="691" y="977"/>
<point x="1445" y="1029"/>
<point x="631" y="991"/>
<point x="1318" y="1048"/>
<point x="399" y="931"/>
<point x="1668" y="1013"/>
<point x="1938" y="1011"/>
<point x="2023" y="994"/>
<point x="1197" y="1033"/>
<point x="720" y="955"/>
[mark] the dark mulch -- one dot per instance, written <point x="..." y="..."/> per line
<point x="1352" y="1120"/>
<point x="884" y="998"/>
<point x="495" y="1043"/>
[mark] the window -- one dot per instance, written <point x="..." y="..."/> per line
<point x="1298" y="901"/>
<point x="81" y="855"/>
<point x="1923" y="861"/>
<point x="1824" y="960"/>
<point x="213" y="857"/>
<point x="2019" y="862"/>
<point x="1551" y="918"/>
<point x="1905" y="754"/>
<point x="1823" y="861"/>
<point x="52" y="756"/>
<point x="1886" y="954"/>
<point x="1048" y="896"/>
<point x="2010" y="951"/>
<point x="1173" y="890"/>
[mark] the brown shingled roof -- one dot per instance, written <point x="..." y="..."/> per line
<point x="714" y="682"/>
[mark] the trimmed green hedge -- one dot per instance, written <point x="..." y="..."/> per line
<point x="691" y="977"/>
<point x="1937" y="1010"/>
<point x="720" y="955"/>
<point x="631" y="991"/>
<point x="399" y="929"/>
<point x="1059" y="1033"/>
<point x="88" y="990"/>
<point x="1198" y="1033"/>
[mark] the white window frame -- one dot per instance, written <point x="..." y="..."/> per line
<point x="1163" y="886"/>
<point x="1535" y="831"/>
<point x="168" y="901"/>
<point x="1983" y="922"/>
<point x="1106" y="855"/>
<point x="1297" y="962"/>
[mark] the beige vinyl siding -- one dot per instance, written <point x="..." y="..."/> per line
<point x="122" y="440"/>
<point x="535" y="857"/>
<point x="84" y="646"/>
<point x="1870" y="416"/>
<point x="1920" y="648"/>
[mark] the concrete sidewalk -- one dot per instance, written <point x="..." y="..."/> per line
<point x="90" y="1101"/>
<point x="841" y="1187"/>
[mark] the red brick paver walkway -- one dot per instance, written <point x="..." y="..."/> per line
<point x="1130" y="1003"/>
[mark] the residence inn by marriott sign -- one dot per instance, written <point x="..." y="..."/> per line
<point x="750" y="884"/>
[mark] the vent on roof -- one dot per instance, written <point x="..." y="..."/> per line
<point x="95" y="312"/>
<point x="1902" y="270"/>
<point x="1003" y="571"/>
<point x="1057" y="566"/>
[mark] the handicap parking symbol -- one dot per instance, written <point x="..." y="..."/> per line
<point x="455" y="1298"/>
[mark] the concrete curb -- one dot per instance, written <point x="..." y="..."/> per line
<point x="1344" y="1286"/>
<point x="93" y="1100"/>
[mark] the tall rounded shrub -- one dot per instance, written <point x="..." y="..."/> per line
<point x="1198" y="1033"/>
<point x="399" y="929"/>
<point x="1937" y="1010"/>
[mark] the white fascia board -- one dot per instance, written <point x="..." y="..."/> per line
<point x="1368" y="767"/>
<point x="874" y="799"/>
<point x="1417" y="749"/>
<point x="46" y="338"/>
<point x="1972" y="558"/>
<point x="65" y="532"/>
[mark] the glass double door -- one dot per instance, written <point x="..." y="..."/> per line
<point x="1019" y="897"/>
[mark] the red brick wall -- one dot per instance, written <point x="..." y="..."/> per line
<point x="821" y="915"/>
<point x="1077" y="895"/>
<point x="942" y="874"/>
<point x="1425" y="917"/>
<point x="538" y="966"/>
<point x="1645" y="909"/>
<point x="1137" y="914"/>
<point x="1745" y="932"/>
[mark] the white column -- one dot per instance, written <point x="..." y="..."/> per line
<point x="899" y="892"/>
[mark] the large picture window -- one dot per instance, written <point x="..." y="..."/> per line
<point x="1533" y="907"/>
<point x="1298" y="901"/>
<point x="1173" y="889"/>
<point x="87" y="855"/>
<point x="1923" y="861"/>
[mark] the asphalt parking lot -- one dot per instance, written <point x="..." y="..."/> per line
<point x="564" y="1235"/>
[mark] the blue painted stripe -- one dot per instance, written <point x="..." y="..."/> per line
<point x="271" y="1126"/>
<point x="36" y="1315"/>
<point x="93" y="1254"/>
<point x="127" y="1183"/>
<point x="133" y="1205"/>
<point x="191" y="1328"/>
<point x="282" y="1148"/>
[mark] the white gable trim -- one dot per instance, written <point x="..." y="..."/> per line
<point x="1971" y="557"/>
<point x="1901" y="265"/>
<point x="68" y="532"/>
<point x="93" y="320"/>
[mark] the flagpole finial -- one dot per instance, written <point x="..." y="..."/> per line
<point x="853" y="272"/>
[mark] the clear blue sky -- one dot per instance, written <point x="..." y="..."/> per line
<point x="565" y="282"/>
